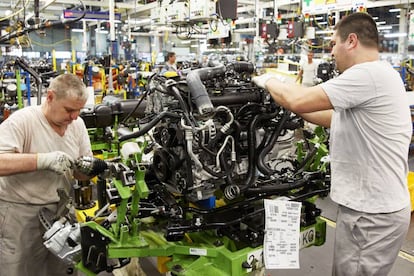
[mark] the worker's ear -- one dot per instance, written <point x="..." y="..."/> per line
<point x="50" y="95"/>
<point x="352" y="39"/>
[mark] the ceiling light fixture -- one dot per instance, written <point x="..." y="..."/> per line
<point x="385" y="27"/>
<point x="325" y="32"/>
<point x="395" y="35"/>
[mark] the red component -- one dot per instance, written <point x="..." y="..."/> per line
<point x="291" y="29"/>
<point x="263" y="30"/>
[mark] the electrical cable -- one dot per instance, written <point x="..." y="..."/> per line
<point x="136" y="107"/>
<point x="44" y="25"/>
<point x="50" y="45"/>
<point x="15" y="13"/>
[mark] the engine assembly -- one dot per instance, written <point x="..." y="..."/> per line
<point x="195" y="159"/>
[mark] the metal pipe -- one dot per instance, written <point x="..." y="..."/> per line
<point x="35" y="75"/>
<point x="198" y="91"/>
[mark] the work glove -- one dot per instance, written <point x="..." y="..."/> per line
<point x="56" y="161"/>
<point x="261" y="80"/>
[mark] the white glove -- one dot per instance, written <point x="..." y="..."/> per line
<point x="262" y="79"/>
<point x="56" y="161"/>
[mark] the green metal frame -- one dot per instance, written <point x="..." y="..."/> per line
<point x="200" y="253"/>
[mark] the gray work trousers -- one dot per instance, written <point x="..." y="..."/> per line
<point x="368" y="244"/>
<point x="22" y="252"/>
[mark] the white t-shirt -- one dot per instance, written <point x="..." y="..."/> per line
<point x="28" y="131"/>
<point x="370" y="134"/>
<point x="309" y="72"/>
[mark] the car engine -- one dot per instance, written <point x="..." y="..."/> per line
<point x="194" y="158"/>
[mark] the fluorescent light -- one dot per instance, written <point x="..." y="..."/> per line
<point x="246" y="30"/>
<point x="244" y="20"/>
<point x="99" y="31"/>
<point x="394" y="10"/>
<point x="138" y="22"/>
<point x="325" y="32"/>
<point x="395" y="35"/>
<point x="77" y="30"/>
<point x="146" y="34"/>
<point x="385" y="27"/>
<point x="100" y="20"/>
<point x="198" y="36"/>
<point x="381" y="22"/>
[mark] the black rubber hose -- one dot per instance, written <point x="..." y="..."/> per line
<point x="40" y="26"/>
<point x="283" y="186"/>
<point x="275" y="189"/>
<point x="251" y="137"/>
<point x="243" y="66"/>
<point x="227" y="169"/>
<point x="307" y="158"/>
<point x="177" y="95"/>
<point x="213" y="173"/>
<point x="237" y="98"/>
<point x="125" y="134"/>
<point x="264" y="168"/>
<point x="135" y="107"/>
<point x="251" y="140"/>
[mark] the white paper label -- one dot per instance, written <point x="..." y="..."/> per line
<point x="282" y="234"/>
<point x="198" y="251"/>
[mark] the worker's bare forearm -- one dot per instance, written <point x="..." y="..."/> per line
<point x="13" y="163"/>
<point x="284" y="94"/>
<point x="298" y="99"/>
<point x="321" y="118"/>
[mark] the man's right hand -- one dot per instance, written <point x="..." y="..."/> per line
<point x="56" y="161"/>
<point x="261" y="80"/>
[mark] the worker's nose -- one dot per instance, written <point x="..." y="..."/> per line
<point x="74" y="115"/>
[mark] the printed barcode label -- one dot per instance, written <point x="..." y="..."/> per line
<point x="274" y="209"/>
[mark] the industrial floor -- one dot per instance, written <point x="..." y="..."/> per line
<point x="317" y="260"/>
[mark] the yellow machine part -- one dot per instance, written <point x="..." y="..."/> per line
<point x="170" y="74"/>
<point x="410" y="182"/>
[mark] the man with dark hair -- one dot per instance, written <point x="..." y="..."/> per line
<point x="38" y="146"/>
<point x="170" y="65"/>
<point x="308" y="71"/>
<point x="370" y="121"/>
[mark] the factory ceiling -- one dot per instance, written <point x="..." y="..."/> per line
<point x="136" y="13"/>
